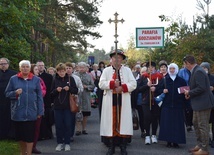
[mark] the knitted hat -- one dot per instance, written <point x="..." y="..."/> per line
<point x="206" y="65"/>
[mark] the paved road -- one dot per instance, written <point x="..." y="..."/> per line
<point x="91" y="144"/>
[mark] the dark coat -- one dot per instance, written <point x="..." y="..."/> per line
<point x="47" y="78"/>
<point x="5" y="120"/>
<point x="4" y="79"/>
<point x="200" y="93"/>
<point x="172" y="115"/>
<point x="61" y="100"/>
<point x="48" y="119"/>
<point x="173" y="99"/>
<point x="134" y="95"/>
<point x="145" y="89"/>
<point x="211" y="78"/>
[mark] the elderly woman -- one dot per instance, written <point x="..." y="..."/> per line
<point x="62" y="85"/>
<point x="85" y="104"/>
<point x="172" y="128"/>
<point x="25" y="94"/>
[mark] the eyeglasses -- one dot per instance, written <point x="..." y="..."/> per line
<point x="3" y="64"/>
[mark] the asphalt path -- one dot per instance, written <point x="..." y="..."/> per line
<point x="91" y="144"/>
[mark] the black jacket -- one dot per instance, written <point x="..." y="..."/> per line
<point x="47" y="78"/>
<point x="61" y="100"/>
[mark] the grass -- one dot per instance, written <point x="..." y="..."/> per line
<point x="8" y="147"/>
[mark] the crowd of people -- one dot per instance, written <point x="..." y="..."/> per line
<point x="35" y="98"/>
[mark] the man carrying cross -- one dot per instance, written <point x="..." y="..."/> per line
<point x="118" y="82"/>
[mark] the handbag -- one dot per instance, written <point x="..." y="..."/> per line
<point x="94" y="99"/>
<point x="135" y="119"/>
<point x="74" y="107"/>
<point x="79" y="116"/>
<point x="73" y="101"/>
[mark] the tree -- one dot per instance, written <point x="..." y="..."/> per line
<point x="70" y="22"/>
<point x="135" y="55"/>
<point x="16" y="20"/>
<point x="50" y="30"/>
<point x="183" y="39"/>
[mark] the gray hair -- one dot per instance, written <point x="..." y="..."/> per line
<point x="8" y="61"/>
<point x="83" y="64"/>
<point x="143" y="69"/>
<point x="95" y="65"/>
<point x="24" y="62"/>
<point x="205" y="65"/>
<point x="137" y="66"/>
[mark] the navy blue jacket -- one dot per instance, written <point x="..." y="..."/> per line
<point x="29" y="104"/>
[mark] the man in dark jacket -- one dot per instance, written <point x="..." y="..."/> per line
<point x="46" y="124"/>
<point x="202" y="102"/>
<point x="5" y="120"/>
<point x="206" y="67"/>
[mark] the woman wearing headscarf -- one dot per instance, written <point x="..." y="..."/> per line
<point x="172" y="128"/>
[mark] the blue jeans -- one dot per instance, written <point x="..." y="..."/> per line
<point x="63" y="125"/>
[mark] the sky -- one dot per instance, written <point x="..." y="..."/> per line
<point x="140" y="14"/>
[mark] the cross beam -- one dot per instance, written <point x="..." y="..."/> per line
<point x="116" y="21"/>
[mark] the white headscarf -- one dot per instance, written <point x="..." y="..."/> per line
<point x="173" y="75"/>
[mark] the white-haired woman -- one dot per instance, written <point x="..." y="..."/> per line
<point x="26" y="98"/>
<point x="172" y="128"/>
<point x="85" y="104"/>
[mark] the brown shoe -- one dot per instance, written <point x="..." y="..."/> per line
<point x="194" y="149"/>
<point x="201" y="152"/>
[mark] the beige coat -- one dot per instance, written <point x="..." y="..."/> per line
<point x="126" y="126"/>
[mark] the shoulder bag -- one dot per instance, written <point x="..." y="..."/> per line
<point x="74" y="107"/>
